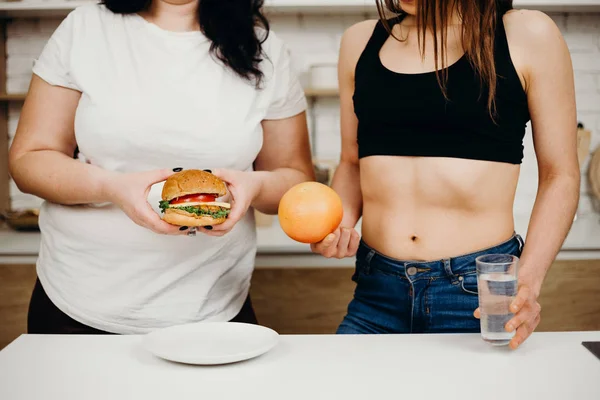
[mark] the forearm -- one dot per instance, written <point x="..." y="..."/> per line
<point x="274" y="184"/>
<point x="58" y="178"/>
<point x="551" y="220"/>
<point x="346" y="182"/>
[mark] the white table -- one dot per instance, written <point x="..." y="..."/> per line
<point x="550" y="366"/>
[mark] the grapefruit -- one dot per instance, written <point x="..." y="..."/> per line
<point x="310" y="211"/>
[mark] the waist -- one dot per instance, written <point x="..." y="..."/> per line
<point x="429" y="208"/>
<point x="370" y="259"/>
<point x="430" y="234"/>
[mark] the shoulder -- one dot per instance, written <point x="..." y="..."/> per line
<point x="354" y="41"/>
<point x="273" y="46"/>
<point x="91" y="14"/>
<point x="532" y="30"/>
<point x="276" y="54"/>
<point x="536" y="44"/>
<point x="358" y="35"/>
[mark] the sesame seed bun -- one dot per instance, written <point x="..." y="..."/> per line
<point x="192" y="181"/>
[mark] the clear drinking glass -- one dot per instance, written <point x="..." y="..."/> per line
<point x="497" y="283"/>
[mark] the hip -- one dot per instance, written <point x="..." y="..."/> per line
<point x="369" y="261"/>
<point x="402" y="296"/>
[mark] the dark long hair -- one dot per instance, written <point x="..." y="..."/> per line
<point x="479" y="20"/>
<point x="229" y="25"/>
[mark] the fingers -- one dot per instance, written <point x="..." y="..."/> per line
<point x="523" y="332"/>
<point x="330" y="244"/>
<point x="477" y="313"/>
<point x="525" y="323"/>
<point x="239" y="207"/>
<point x="520" y="300"/>
<point x="211" y="231"/>
<point x="226" y="175"/>
<point x="323" y="245"/>
<point x="343" y="242"/>
<point x="149" y="219"/>
<point x="526" y="315"/>
<point x="157" y="176"/>
<point x="536" y="322"/>
<point x="516" y="321"/>
<point x="354" y="243"/>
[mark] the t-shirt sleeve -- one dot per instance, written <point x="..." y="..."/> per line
<point x="288" y="99"/>
<point x="54" y="63"/>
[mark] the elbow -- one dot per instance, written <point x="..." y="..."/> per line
<point x="15" y="170"/>
<point x="557" y="175"/>
<point x="568" y="183"/>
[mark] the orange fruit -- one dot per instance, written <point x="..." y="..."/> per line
<point x="310" y="211"/>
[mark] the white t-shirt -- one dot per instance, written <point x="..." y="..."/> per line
<point x="152" y="99"/>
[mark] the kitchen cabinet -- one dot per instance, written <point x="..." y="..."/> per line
<point x="301" y="300"/>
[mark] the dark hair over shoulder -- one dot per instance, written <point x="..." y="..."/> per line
<point x="231" y="27"/>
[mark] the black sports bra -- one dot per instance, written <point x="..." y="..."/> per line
<point x="407" y="114"/>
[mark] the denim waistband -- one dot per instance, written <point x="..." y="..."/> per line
<point x="369" y="258"/>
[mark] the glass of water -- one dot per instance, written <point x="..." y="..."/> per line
<point x="497" y="283"/>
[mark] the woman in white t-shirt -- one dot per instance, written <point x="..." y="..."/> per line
<point x="143" y="88"/>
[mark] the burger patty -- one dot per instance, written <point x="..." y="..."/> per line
<point x="202" y="210"/>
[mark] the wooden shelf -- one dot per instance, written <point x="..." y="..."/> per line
<point x="310" y="92"/>
<point x="9" y="97"/>
<point x="61" y="8"/>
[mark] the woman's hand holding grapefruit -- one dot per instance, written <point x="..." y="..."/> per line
<point x="342" y="243"/>
<point x="312" y="213"/>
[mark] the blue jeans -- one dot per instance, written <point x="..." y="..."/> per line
<point x="394" y="296"/>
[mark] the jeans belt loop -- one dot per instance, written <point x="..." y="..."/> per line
<point x="368" y="259"/>
<point x="521" y="242"/>
<point x="448" y="267"/>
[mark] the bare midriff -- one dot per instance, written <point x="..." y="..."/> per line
<point x="425" y="209"/>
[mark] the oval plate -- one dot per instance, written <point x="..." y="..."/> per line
<point x="211" y="343"/>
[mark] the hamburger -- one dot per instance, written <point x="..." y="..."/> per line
<point x="189" y="199"/>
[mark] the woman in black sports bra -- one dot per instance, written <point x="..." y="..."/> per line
<point x="432" y="142"/>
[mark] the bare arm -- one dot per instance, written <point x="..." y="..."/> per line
<point x="551" y="96"/>
<point x="283" y="162"/>
<point x="346" y="180"/>
<point x="41" y="161"/>
<point x="41" y="157"/>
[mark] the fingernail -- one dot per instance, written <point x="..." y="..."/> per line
<point x="208" y="170"/>
<point x="178" y="169"/>
<point x="208" y="227"/>
<point x="183" y="228"/>
<point x="510" y="328"/>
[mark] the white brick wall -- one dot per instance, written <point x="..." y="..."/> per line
<point x="315" y="39"/>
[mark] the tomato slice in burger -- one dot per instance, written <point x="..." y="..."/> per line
<point x="194" y="198"/>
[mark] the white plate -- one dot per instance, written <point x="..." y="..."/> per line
<point x="211" y="343"/>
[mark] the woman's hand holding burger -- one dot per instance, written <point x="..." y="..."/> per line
<point x="130" y="191"/>
<point x="243" y="187"/>
<point x="194" y="200"/>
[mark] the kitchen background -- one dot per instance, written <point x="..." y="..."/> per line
<point x="282" y="280"/>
